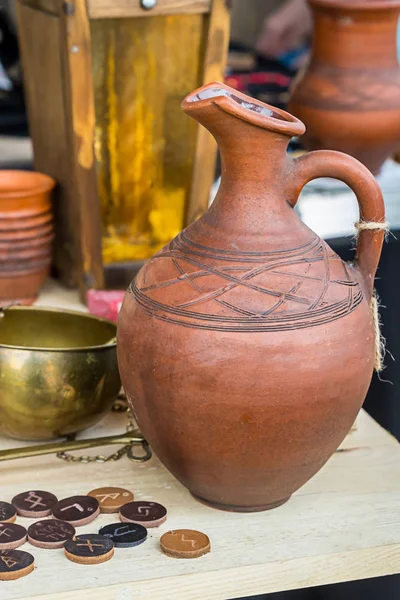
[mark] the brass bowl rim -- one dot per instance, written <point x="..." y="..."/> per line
<point x="104" y="347"/>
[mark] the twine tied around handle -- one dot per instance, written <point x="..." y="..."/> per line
<point x="371" y="225"/>
<point x="380" y="341"/>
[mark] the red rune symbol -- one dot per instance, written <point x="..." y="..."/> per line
<point x="91" y="545"/>
<point x="4" y="532"/>
<point x="9" y="562"/>
<point x="34" y="499"/>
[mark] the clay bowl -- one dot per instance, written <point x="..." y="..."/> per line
<point x="21" y="214"/>
<point x="59" y="372"/>
<point x="25" y="266"/>
<point x="32" y="233"/>
<point x="25" y="244"/>
<point x="20" y="255"/>
<point x="24" y="193"/>
<point x="26" y="234"/>
<point x="22" y="286"/>
<point x="21" y="280"/>
<point x="17" y="223"/>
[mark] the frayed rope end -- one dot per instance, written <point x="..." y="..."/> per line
<point x="380" y="342"/>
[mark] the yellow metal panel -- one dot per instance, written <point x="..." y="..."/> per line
<point x="144" y="144"/>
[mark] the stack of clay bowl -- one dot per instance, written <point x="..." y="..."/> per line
<point x="26" y="234"/>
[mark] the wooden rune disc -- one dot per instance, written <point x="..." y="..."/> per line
<point x="34" y="504"/>
<point x="89" y="549"/>
<point x="149" y="514"/>
<point x="11" y="536"/>
<point x="50" y="533"/>
<point x="77" y="510"/>
<point x="111" y="498"/>
<point x="185" y="543"/>
<point x="8" y="512"/>
<point x="125" y="535"/>
<point x="15" y="564"/>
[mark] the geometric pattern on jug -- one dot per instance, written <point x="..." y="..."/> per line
<point x="197" y="286"/>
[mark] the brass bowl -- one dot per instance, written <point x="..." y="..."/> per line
<point x="58" y="372"/>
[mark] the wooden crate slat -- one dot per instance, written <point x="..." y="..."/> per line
<point x="109" y="9"/>
<point x="44" y="85"/>
<point x="51" y="7"/>
<point x="216" y="51"/>
<point x="81" y="115"/>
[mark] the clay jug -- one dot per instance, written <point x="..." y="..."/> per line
<point x="349" y="96"/>
<point x="246" y="346"/>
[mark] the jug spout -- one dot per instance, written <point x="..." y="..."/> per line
<point x="209" y="103"/>
<point x="252" y="137"/>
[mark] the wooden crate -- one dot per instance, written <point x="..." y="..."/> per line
<point x="104" y="80"/>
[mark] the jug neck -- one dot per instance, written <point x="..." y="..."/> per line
<point x="252" y="162"/>
<point x="252" y="138"/>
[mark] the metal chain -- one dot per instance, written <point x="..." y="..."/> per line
<point x="99" y="458"/>
<point x="120" y="405"/>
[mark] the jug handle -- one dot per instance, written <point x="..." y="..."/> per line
<point x="329" y="163"/>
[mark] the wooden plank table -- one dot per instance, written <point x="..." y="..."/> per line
<point x="342" y="525"/>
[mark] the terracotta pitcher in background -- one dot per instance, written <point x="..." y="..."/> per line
<point x="349" y="96"/>
<point x="246" y="346"/>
